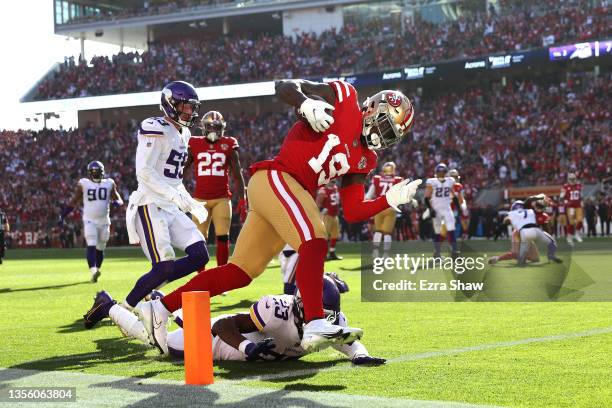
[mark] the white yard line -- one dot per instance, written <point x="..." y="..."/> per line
<point x="437" y="353"/>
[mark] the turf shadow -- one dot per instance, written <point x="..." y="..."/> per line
<point x="313" y="387"/>
<point x="295" y="370"/>
<point x="78" y="326"/>
<point x="65" y="285"/>
<point x="243" y="304"/>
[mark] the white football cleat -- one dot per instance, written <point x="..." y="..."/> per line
<point x="154" y="317"/>
<point x="95" y="274"/>
<point x="578" y="238"/>
<point x="570" y="241"/>
<point x="320" y="333"/>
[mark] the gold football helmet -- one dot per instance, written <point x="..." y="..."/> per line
<point x="387" y="117"/>
<point x="571" y="178"/>
<point x="388" y="169"/>
<point x="213" y="126"/>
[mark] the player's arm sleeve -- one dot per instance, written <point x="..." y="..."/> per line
<point x="356" y="207"/>
<point x="147" y="154"/>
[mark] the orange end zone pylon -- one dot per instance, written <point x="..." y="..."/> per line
<point x="198" y="340"/>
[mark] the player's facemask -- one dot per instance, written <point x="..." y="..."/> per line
<point x="387" y="118"/>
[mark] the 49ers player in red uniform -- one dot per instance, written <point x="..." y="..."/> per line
<point x="384" y="221"/>
<point x="328" y="200"/>
<point x="215" y="156"/>
<point x="338" y="139"/>
<point x="571" y="197"/>
<point x="464" y="215"/>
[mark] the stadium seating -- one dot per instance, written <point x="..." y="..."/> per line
<point x="375" y="46"/>
<point x="535" y="134"/>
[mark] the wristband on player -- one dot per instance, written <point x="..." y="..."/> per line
<point x="242" y="346"/>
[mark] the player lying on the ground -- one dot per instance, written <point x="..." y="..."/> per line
<point x="337" y="139"/>
<point x="97" y="193"/>
<point x="524" y="221"/>
<point x="271" y="330"/>
<point x="156" y="217"/>
<point x="537" y="203"/>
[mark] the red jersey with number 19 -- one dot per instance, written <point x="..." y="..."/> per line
<point x="314" y="159"/>
<point x="211" y="166"/>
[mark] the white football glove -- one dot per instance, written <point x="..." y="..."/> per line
<point x="182" y="200"/>
<point x="198" y="211"/>
<point x="402" y="193"/>
<point x="314" y="112"/>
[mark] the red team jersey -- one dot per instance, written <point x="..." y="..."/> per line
<point x="573" y="195"/>
<point x="211" y="166"/>
<point x="314" y="159"/>
<point x="457" y="191"/>
<point x="331" y="201"/>
<point x="382" y="183"/>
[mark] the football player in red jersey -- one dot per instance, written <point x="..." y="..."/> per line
<point x="215" y="156"/>
<point x="571" y="197"/>
<point x="384" y="221"/>
<point x="338" y="139"/>
<point x="464" y="215"/>
<point x="328" y="200"/>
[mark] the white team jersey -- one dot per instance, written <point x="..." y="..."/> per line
<point x="441" y="192"/>
<point x="522" y="217"/>
<point x="160" y="157"/>
<point x="96" y="199"/>
<point x="273" y="316"/>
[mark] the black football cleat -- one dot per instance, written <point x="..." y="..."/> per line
<point x="102" y="304"/>
<point x="333" y="257"/>
<point x="555" y="259"/>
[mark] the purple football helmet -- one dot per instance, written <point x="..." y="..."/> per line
<point x="441" y="170"/>
<point x="96" y="171"/>
<point x="180" y="93"/>
<point x="517" y="205"/>
<point x="331" y="302"/>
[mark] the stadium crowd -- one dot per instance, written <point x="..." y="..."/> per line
<point x="535" y="134"/>
<point x="354" y="48"/>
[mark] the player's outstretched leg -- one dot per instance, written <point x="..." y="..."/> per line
<point x="154" y="314"/>
<point x="101" y="306"/>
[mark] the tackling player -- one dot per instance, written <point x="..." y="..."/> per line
<point x="438" y="196"/>
<point x="384" y="221"/>
<point x="328" y="200"/>
<point x="156" y="217"/>
<point x="281" y="191"/>
<point x="271" y="330"/>
<point x="571" y="197"/>
<point x="215" y="156"/>
<point x="524" y="221"/>
<point x="97" y="193"/>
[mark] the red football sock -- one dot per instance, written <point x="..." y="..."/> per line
<point x="569" y="230"/>
<point x="215" y="281"/>
<point x="332" y="244"/>
<point x="506" y="256"/>
<point x="309" y="277"/>
<point x="222" y="250"/>
<point x="579" y="226"/>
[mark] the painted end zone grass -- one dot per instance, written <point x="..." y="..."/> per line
<point x="43" y="295"/>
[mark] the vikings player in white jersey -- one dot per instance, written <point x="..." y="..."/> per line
<point x="438" y="196"/>
<point x="156" y="217"/>
<point x="524" y="221"/>
<point x="271" y="329"/>
<point x="97" y="194"/>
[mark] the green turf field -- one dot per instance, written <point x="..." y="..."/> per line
<point x="494" y="354"/>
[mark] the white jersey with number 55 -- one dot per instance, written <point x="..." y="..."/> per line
<point x="160" y="158"/>
<point x="96" y="199"/>
<point x="442" y="192"/>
